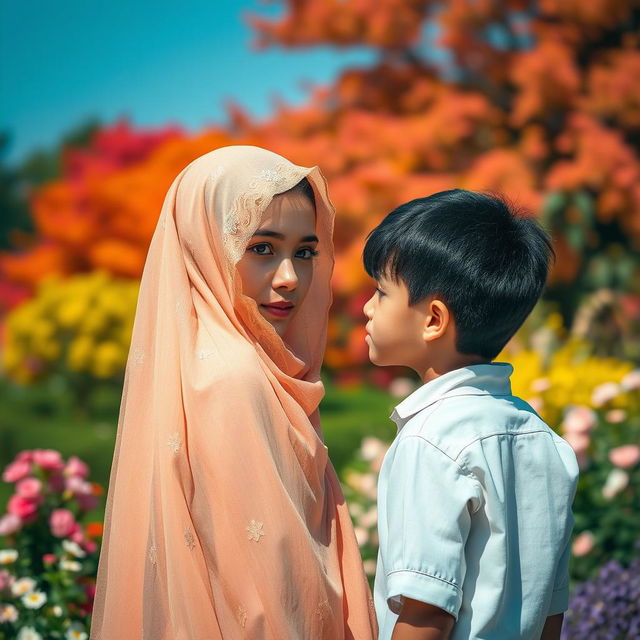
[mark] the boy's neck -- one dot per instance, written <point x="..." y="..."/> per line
<point x="457" y="361"/>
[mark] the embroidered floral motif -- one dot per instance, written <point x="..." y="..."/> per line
<point x="153" y="555"/>
<point x="323" y="610"/>
<point x="242" y="616"/>
<point x="255" y="530"/>
<point x="189" y="539"/>
<point x="174" y="443"/>
<point x="269" y="175"/>
<point x="138" y="355"/>
<point x="243" y="216"/>
<point x="204" y="354"/>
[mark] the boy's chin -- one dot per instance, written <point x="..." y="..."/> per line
<point x="376" y="358"/>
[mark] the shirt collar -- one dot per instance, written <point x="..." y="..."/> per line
<point x="474" y="380"/>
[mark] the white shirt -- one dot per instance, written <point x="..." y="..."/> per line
<point x="474" y="508"/>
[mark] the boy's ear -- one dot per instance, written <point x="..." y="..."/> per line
<point x="436" y="321"/>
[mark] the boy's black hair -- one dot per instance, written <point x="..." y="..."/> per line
<point x="485" y="261"/>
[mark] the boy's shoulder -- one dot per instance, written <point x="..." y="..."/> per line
<point x="455" y="422"/>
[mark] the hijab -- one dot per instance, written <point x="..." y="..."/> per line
<point x="224" y="516"/>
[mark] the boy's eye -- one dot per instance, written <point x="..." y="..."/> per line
<point x="380" y="292"/>
<point x="262" y="249"/>
<point x="306" y="253"/>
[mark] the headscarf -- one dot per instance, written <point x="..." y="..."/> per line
<point x="224" y="515"/>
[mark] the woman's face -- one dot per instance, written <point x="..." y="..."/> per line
<point x="277" y="266"/>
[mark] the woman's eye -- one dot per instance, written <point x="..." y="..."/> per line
<point x="262" y="249"/>
<point x="306" y="253"/>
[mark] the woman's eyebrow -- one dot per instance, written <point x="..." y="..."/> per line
<point x="274" y="234"/>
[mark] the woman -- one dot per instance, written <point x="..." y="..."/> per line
<point x="224" y="516"/>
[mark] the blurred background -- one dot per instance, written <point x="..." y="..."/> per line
<point x="104" y="103"/>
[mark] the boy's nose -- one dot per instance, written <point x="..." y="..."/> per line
<point x="367" y="309"/>
<point x="285" y="276"/>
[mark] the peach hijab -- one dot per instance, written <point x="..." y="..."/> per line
<point x="224" y="516"/>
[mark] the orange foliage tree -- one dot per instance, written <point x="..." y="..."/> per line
<point x="538" y="100"/>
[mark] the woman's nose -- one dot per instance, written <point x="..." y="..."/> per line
<point x="285" y="276"/>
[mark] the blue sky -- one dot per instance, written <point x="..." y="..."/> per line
<point x="156" y="62"/>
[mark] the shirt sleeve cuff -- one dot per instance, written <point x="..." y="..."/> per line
<point x="425" y="588"/>
<point x="559" y="601"/>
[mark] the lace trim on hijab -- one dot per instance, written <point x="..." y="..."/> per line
<point x="244" y="216"/>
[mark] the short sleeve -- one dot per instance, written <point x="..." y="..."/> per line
<point x="560" y="595"/>
<point x="429" y="505"/>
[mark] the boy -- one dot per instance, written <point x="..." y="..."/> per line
<point x="475" y="493"/>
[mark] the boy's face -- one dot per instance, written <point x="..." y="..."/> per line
<point x="395" y="330"/>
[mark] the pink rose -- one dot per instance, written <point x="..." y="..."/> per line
<point x="78" y="486"/>
<point x="90" y="590"/>
<point x="22" y="507"/>
<point x="89" y="546"/>
<point x="6" y="580"/>
<point x="583" y="543"/>
<point x="579" y="420"/>
<point x="29" y="488"/>
<point x="75" y="467"/>
<point x="56" y="482"/>
<point x="48" y="459"/>
<point x="25" y="456"/>
<point x="616" y="416"/>
<point x="87" y="502"/>
<point x="579" y="442"/>
<point x="62" y="523"/>
<point x="17" y="470"/>
<point x="10" y="523"/>
<point x="77" y="535"/>
<point x="625" y="456"/>
<point x="49" y="558"/>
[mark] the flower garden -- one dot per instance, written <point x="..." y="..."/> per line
<point x="536" y="100"/>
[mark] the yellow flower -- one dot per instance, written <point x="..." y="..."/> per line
<point x="109" y="359"/>
<point x="80" y="352"/>
<point x="71" y="312"/>
<point x="65" y="320"/>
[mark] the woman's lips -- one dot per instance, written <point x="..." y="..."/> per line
<point x="279" y="309"/>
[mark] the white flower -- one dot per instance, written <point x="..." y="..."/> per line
<point x="76" y="632"/>
<point x="401" y="387"/>
<point x="22" y="586"/>
<point x="34" y="600"/>
<point x="617" y="480"/>
<point x="8" y="613"/>
<point x="369" y="519"/>
<point x="28" y="633"/>
<point x="372" y="448"/>
<point x="57" y="611"/>
<point x="70" y="565"/>
<point x="73" y="548"/>
<point x="631" y="381"/>
<point x="8" y="556"/>
<point x="362" y="536"/>
<point x="603" y="393"/>
<point x="369" y="567"/>
<point x="540" y="385"/>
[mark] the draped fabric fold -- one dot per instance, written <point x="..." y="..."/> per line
<point x="224" y="517"/>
